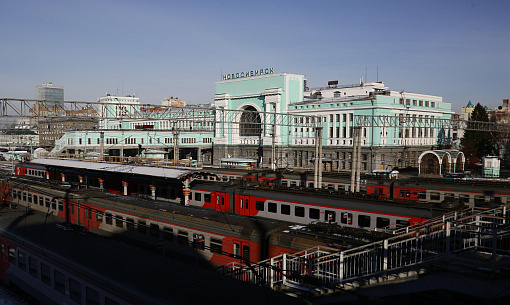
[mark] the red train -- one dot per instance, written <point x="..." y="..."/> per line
<point x="288" y="204"/>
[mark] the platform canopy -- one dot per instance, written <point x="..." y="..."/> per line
<point x="441" y="161"/>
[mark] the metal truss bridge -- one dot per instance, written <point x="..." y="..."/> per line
<point x="209" y="118"/>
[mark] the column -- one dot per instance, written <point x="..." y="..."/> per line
<point x="125" y="188"/>
<point x="153" y="191"/>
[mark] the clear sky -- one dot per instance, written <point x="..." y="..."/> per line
<point x="459" y="50"/>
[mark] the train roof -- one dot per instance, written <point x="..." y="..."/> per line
<point x="153" y="171"/>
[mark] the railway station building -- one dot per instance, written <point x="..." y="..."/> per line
<point x="259" y="94"/>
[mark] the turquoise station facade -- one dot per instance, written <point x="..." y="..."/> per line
<point x="241" y="124"/>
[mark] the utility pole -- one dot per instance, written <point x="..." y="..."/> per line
<point x="273" y="147"/>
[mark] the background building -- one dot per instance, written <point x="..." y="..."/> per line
<point x="49" y="92"/>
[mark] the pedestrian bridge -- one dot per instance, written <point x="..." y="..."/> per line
<point x="474" y="238"/>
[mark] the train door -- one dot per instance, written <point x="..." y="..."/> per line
<point x="330" y="216"/>
<point x="242" y="251"/>
<point x="243" y="208"/>
<point x="221" y="202"/>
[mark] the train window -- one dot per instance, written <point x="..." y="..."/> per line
<point x="119" y="221"/>
<point x="198" y="196"/>
<point x="246" y="203"/>
<point x="235" y="249"/>
<point x="364" y="221"/>
<point x="24" y="196"/>
<point x="314" y="213"/>
<point x="498" y="200"/>
<point x="154" y="230"/>
<point x="207" y="197"/>
<point x="32" y="267"/>
<point x="29" y="198"/>
<point x="299" y="211"/>
<point x="198" y="241"/>
<point x="22" y="261"/>
<point x="19" y="195"/>
<point x="36" y="199"/>
<point x="479" y="199"/>
<point x="91" y="296"/>
<point x="12" y="254"/>
<point x="54" y="203"/>
<point x="45" y="274"/>
<point x="403" y="223"/>
<point x="108" y="218"/>
<point x="182" y="237"/>
<point x="99" y="216"/>
<point x="464" y="198"/>
<point x="449" y="196"/>
<point x="271" y="207"/>
<point x="41" y="201"/>
<point x="422" y="195"/>
<point x="293" y="183"/>
<point x="216" y="245"/>
<point x="60" y="282"/>
<point x="408" y="193"/>
<point x="259" y="205"/>
<point x="435" y="196"/>
<point x="142" y="228"/>
<point x="246" y="252"/>
<point x="241" y="202"/>
<point x="330" y="216"/>
<point x="382" y="222"/>
<point x="47" y="202"/>
<point x="108" y="301"/>
<point x="130" y="224"/>
<point x="75" y="290"/>
<point x="285" y="209"/>
<point x="402" y="193"/>
<point x="168" y="234"/>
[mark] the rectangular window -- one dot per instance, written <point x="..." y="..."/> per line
<point x="22" y="261"/>
<point x="422" y="195"/>
<point x="32" y="267"/>
<point x="403" y="223"/>
<point x="246" y="252"/>
<point x="198" y="196"/>
<point x="299" y="211"/>
<point x="285" y="208"/>
<point x="12" y="255"/>
<point x="45" y="274"/>
<point x="142" y="228"/>
<point x="207" y="197"/>
<point x="109" y="218"/>
<point x="130" y="224"/>
<point x="271" y="207"/>
<point x="168" y="234"/>
<point x="382" y="222"/>
<point x="314" y="213"/>
<point x="259" y="205"/>
<point x="75" y="290"/>
<point x="154" y="230"/>
<point x="91" y="296"/>
<point x="364" y="221"/>
<point x="119" y="221"/>
<point x="435" y="196"/>
<point x="60" y="282"/>
<point x="182" y="237"/>
<point x="216" y="245"/>
<point x="60" y="205"/>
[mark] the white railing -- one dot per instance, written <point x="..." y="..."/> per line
<point x="474" y="237"/>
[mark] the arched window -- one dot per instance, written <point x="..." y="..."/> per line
<point x="250" y="124"/>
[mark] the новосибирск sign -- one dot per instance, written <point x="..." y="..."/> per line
<point x="249" y="73"/>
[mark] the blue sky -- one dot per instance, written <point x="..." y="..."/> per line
<point x="459" y="50"/>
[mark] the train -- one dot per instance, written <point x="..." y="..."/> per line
<point x="219" y="238"/>
<point x="470" y="191"/>
<point x="247" y="196"/>
<point x="48" y="261"/>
